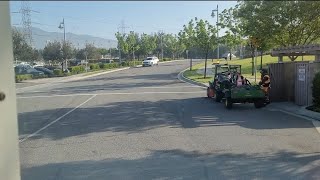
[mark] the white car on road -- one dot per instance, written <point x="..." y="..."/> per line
<point x="150" y="61"/>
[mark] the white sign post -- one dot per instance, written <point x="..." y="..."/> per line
<point x="301" y="74"/>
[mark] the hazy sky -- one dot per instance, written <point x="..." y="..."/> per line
<point x="102" y="18"/>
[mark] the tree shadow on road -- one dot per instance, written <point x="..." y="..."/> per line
<point x="138" y="116"/>
<point x="180" y="164"/>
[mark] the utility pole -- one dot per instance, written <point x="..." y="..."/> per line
<point x="86" y="54"/>
<point x="161" y="43"/>
<point x="162" y="46"/>
<point x="212" y="14"/>
<point x="255" y="64"/>
<point x="62" y="26"/>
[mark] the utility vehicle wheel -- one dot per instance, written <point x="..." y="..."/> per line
<point x="228" y="103"/>
<point x="218" y="96"/>
<point x="259" y="103"/>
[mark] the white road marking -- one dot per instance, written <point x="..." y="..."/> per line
<point x="120" y="93"/>
<point x="52" y="122"/>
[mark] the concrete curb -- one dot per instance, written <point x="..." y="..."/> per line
<point x="182" y="78"/>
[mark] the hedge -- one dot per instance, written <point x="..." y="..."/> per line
<point x="316" y="90"/>
<point x="77" y="69"/>
<point x="94" y="67"/>
<point x="131" y="63"/>
<point x="22" y="77"/>
<point x="109" y="65"/>
<point x="57" y="72"/>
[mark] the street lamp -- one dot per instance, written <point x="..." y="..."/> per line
<point x="62" y="26"/>
<point x="213" y="14"/>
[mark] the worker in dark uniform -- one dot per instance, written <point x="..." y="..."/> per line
<point x="265" y="83"/>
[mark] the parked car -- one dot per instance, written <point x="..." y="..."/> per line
<point x="46" y="71"/>
<point x="27" y="69"/>
<point x="150" y="61"/>
<point x="52" y="67"/>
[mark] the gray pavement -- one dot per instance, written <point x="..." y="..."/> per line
<point x="143" y="123"/>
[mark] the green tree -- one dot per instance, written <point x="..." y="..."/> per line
<point x="21" y="49"/>
<point x="148" y="44"/>
<point x="58" y="51"/>
<point x="103" y="51"/>
<point x="132" y="41"/>
<point x="204" y="37"/>
<point x="122" y="43"/>
<point x="114" y="52"/>
<point x="187" y="38"/>
<point x="92" y="52"/>
<point x="67" y="50"/>
<point x="173" y="45"/>
<point x="52" y="51"/>
<point x="187" y="35"/>
<point x="234" y="34"/>
<point x="81" y="54"/>
<point x="284" y="23"/>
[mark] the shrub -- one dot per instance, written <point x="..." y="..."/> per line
<point x="124" y="63"/>
<point x="94" y="66"/>
<point x="78" y="69"/>
<point x="39" y="76"/>
<point x="102" y="66"/>
<point x="22" y="77"/>
<point x="57" y="72"/>
<point x="135" y="63"/>
<point x="316" y="90"/>
<point x="130" y="63"/>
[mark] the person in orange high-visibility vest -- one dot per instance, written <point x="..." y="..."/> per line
<point x="265" y="83"/>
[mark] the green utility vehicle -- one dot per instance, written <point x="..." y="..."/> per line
<point x="222" y="75"/>
<point x="224" y="87"/>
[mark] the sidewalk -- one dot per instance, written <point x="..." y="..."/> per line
<point x="292" y="108"/>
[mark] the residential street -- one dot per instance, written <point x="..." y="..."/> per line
<point x="144" y="123"/>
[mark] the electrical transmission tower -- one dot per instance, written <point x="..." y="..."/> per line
<point x="26" y="21"/>
<point x="123" y="27"/>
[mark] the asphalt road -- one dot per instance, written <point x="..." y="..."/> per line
<point x="143" y="123"/>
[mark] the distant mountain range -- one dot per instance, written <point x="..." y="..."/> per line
<point x="41" y="37"/>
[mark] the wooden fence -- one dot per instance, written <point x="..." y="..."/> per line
<point x="292" y="81"/>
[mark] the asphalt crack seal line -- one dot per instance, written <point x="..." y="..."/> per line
<point x="56" y="120"/>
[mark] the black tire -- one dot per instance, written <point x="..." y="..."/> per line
<point x="228" y="103"/>
<point x="259" y="103"/>
<point x="208" y="91"/>
<point x="218" y="97"/>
